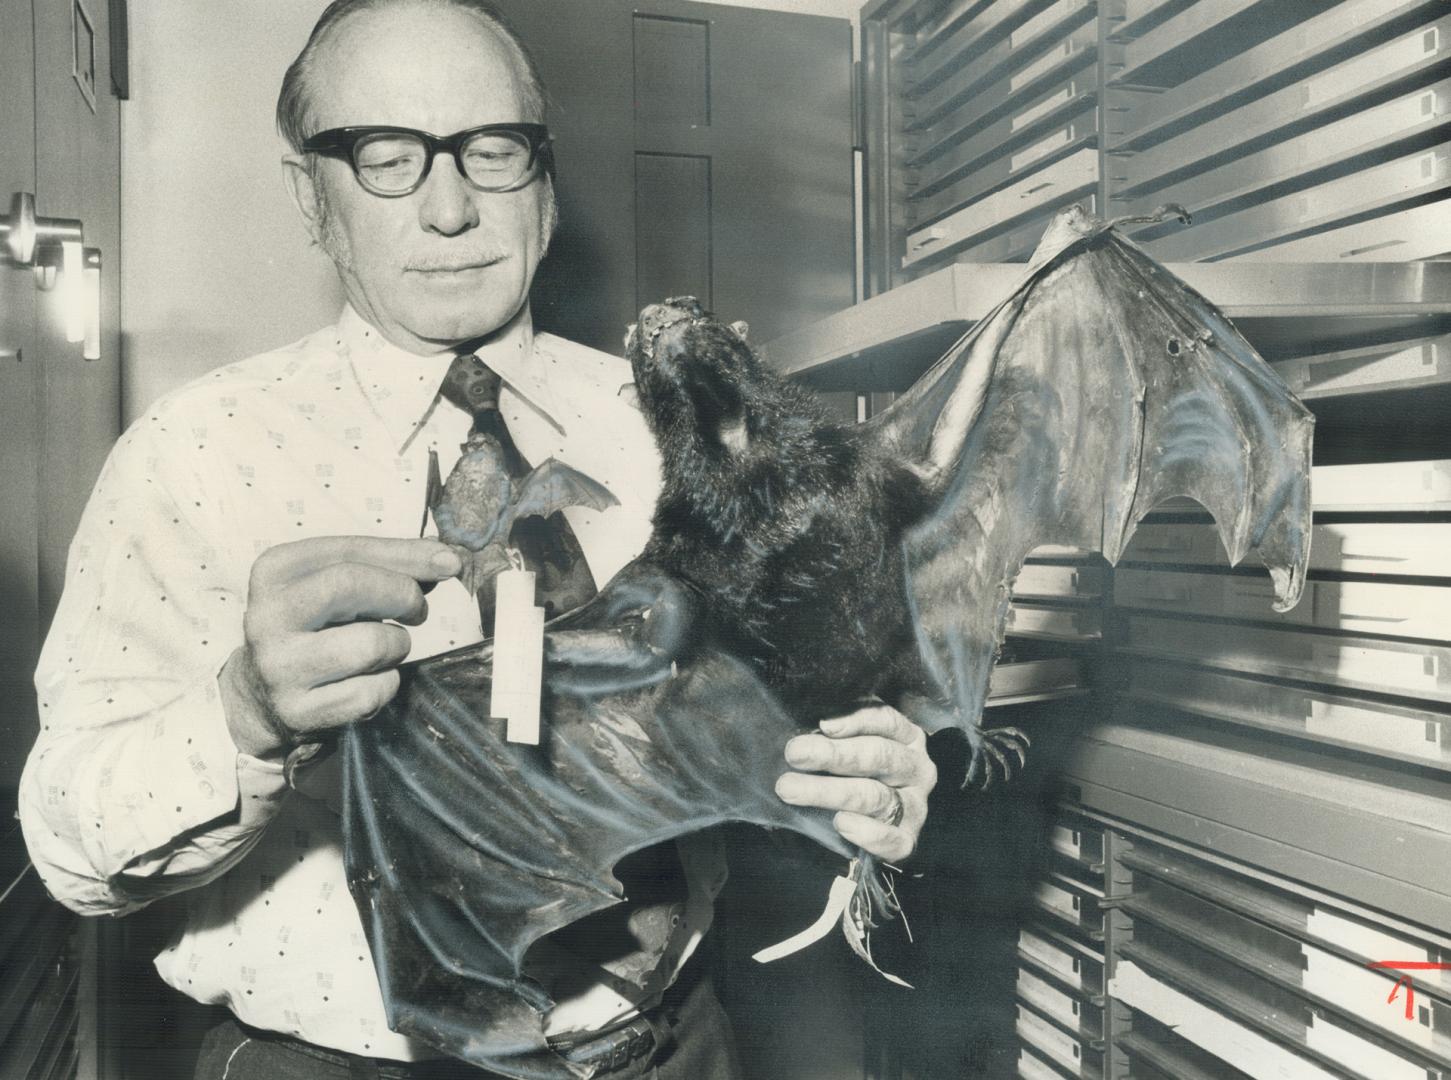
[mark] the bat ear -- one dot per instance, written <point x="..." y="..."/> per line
<point x="742" y="329"/>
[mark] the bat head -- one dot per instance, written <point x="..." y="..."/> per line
<point x="693" y="372"/>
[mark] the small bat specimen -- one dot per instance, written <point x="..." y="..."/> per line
<point x="476" y="508"/>
<point x="796" y="565"/>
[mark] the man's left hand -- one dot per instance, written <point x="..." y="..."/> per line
<point x="869" y="755"/>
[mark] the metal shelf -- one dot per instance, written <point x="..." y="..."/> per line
<point x="1005" y="100"/>
<point x="1419" y="232"/>
<point x="1410" y="180"/>
<point x="1325" y="39"/>
<point x="1288" y="302"/>
<point x="1356" y="607"/>
<point x="1018" y="58"/>
<point x="934" y="165"/>
<point x="1378" y="837"/>
<point x="1408" y="549"/>
<point x="1376" y="665"/>
<point x="1018" y="161"/>
<point x="1396" y="732"/>
<point x="1223" y="183"/>
<point x="1034" y="680"/>
<point x="1068" y="177"/>
<point x="1369" y="369"/>
<point x="1288" y="965"/>
<point x="1199" y="38"/>
<point x="1171" y="1062"/>
<point x="967" y="30"/>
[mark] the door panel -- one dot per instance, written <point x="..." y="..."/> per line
<point x="19" y="399"/>
<point x="740" y="200"/>
<point x="672" y="226"/>
<point x="672" y="70"/>
<point x="779" y="139"/>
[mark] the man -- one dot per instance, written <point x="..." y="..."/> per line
<point x="238" y="588"/>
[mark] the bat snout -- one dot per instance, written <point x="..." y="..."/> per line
<point x="656" y="319"/>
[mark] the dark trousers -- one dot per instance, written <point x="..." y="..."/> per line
<point x="700" y="1047"/>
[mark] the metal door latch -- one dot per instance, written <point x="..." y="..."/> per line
<point x="55" y="249"/>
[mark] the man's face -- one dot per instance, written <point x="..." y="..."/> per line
<point x="447" y="262"/>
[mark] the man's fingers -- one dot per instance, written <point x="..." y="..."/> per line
<point x="340" y="652"/>
<point x="872" y="756"/>
<point x="870" y="798"/>
<point x="342" y="593"/>
<point x="863" y="807"/>
<point x="864" y="755"/>
<point x="874" y="720"/>
<point x="340" y="703"/>
<point x="892" y="843"/>
<point x="421" y="560"/>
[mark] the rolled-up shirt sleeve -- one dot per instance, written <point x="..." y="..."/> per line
<point x="134" y="788"/>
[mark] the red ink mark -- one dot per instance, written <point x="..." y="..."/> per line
<point x="1405" y="980"/>
<point x="1410" y="995"/>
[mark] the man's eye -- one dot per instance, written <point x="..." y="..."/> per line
<point x="390" y="165"/>
<point x="384" y="156"/>
<point x="491" y="159"/>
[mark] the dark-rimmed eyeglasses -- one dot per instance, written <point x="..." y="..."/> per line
<point x="393" y="161"/>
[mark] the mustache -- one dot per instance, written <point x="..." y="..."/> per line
<point x="454" y="261"/>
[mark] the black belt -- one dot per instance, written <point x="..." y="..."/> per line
<point x="612" y="1049"/>
<point x="608" y="1051"/>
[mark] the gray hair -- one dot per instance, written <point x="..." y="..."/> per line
<point x="296" y="116"/>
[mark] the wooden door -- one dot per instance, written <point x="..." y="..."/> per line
<point x="19" y="398"/>
<point x="77" y="175"/>
<point x="702" y="150"/>
<point x="59" y="140"/>
<point x="59" y="414"/>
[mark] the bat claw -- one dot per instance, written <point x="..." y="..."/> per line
<point x="990" y="748"/>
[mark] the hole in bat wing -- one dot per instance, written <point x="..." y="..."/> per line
<point x="1173" y="346"/>
<point x="630" y="939"/>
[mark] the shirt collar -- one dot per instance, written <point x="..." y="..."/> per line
<point x="400" y="385"/>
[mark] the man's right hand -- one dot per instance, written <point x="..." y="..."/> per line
<point x="317" y="653"/>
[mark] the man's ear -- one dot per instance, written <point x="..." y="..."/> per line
<point x="302" y="185"/>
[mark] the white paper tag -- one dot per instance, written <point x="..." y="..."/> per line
<point x="837" y="898"/>
<point x="518" y="656"/>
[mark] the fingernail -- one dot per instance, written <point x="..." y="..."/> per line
<point x="797" y="752"/>
<point x="447" y="563"/>
<point x="834" y="724"/>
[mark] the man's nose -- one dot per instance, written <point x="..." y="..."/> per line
<point x="447" y="205"/>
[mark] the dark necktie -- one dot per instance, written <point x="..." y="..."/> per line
<point x="561" y="575"/>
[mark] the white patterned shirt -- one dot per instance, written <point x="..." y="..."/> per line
<point x="135" y="789"/>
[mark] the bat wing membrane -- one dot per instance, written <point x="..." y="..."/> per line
<point x="1100" y="388"/>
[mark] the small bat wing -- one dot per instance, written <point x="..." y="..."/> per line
<point x="553" y="486"/>
<point x="1102" y="386"/>
<point x="433" y="493"/>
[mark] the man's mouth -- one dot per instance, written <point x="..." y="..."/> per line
<point x="453" y="267"/>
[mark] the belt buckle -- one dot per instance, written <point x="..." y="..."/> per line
<point x="614" y="1050"/>
<point x="621" y="1056"/>
<point x="625" y="1046"/>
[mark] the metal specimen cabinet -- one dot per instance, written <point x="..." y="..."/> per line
<point x="1246" y="867"/>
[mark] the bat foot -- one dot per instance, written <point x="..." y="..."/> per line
<point x="990" y="749"/>
<point x="1155" y="216"/>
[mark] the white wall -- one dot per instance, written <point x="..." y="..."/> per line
<point x="216" y="265"/>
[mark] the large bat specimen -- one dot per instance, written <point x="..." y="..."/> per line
<point x="796" y="566"/>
